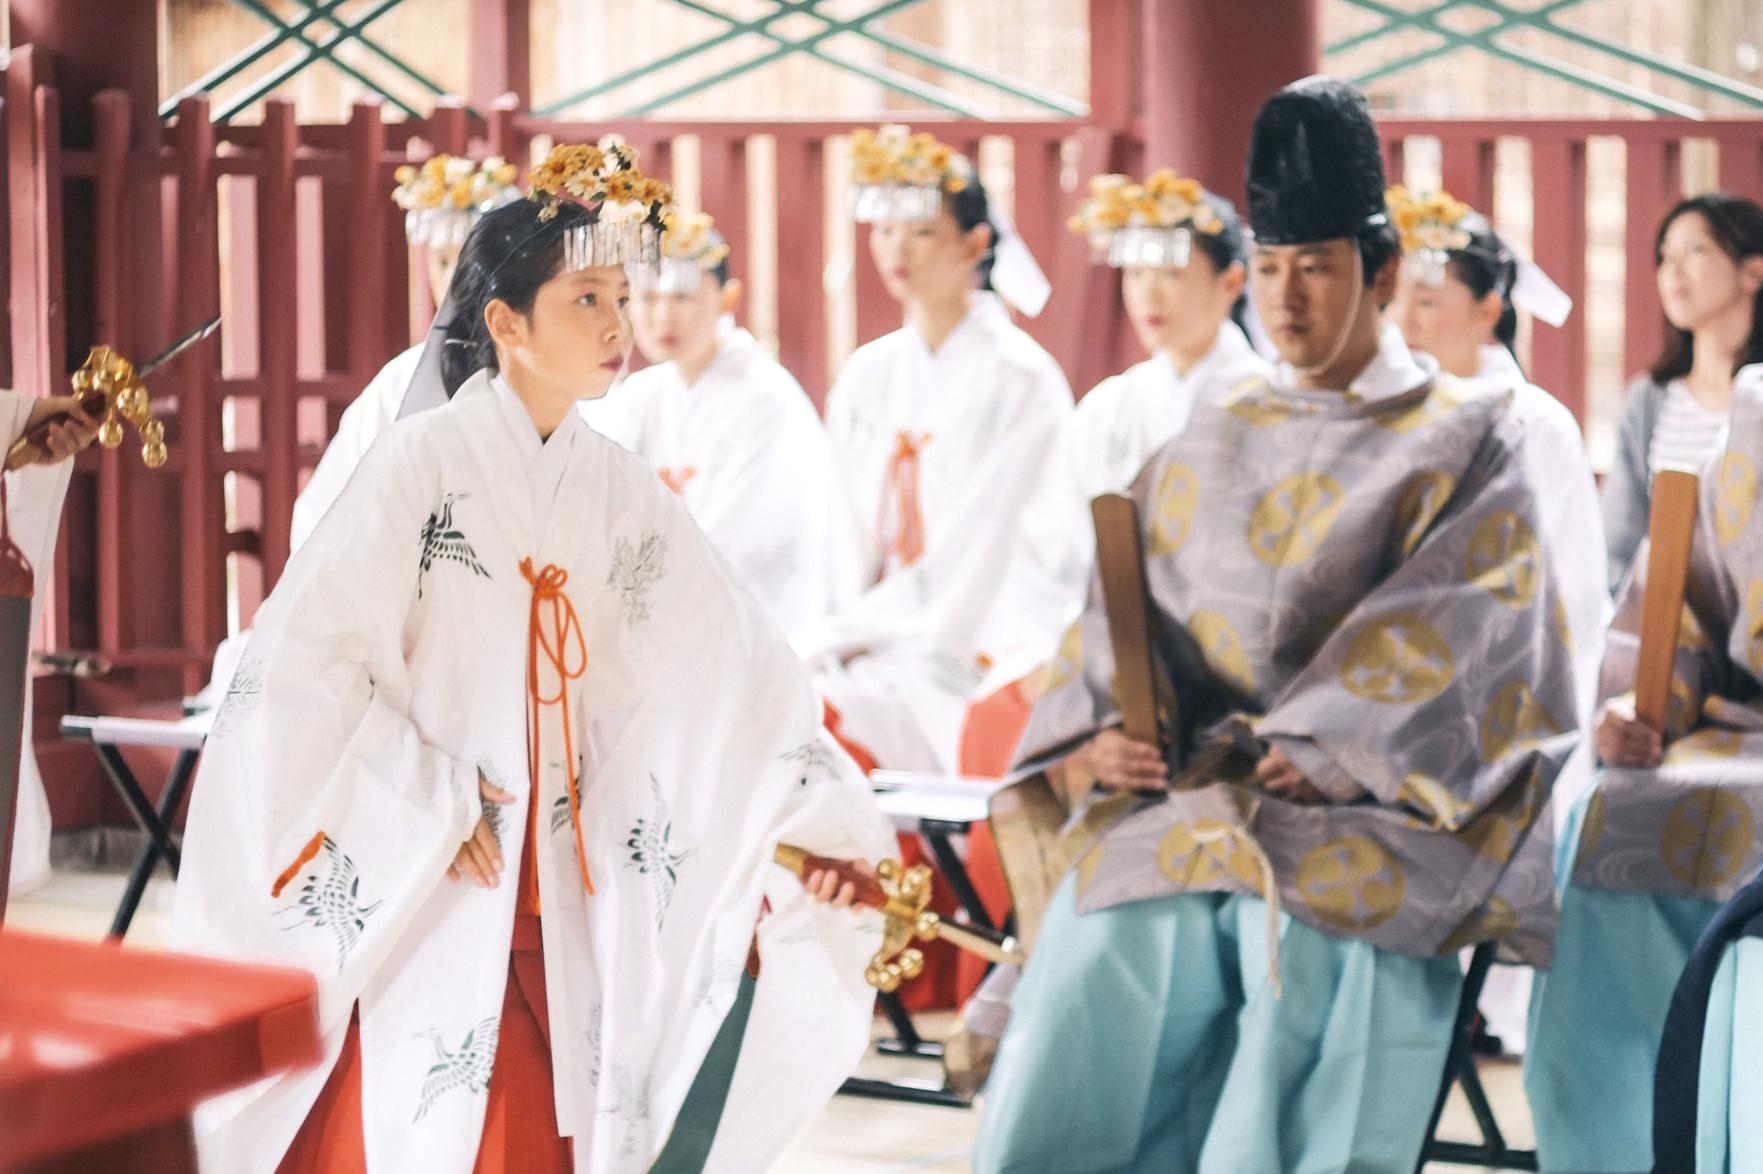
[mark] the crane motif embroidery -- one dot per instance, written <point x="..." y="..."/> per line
<point x="443" y="541"/>
<point x="468" y="1067"/>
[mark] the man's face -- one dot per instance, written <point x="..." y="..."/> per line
<point x="1306" y="296"/>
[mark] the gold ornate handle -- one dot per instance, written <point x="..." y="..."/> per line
<point x="107" y="387"/>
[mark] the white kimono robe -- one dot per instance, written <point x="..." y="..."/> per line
<point x="34" y="496"/>
<point x="939" y="451"/>
<point x="372" y="412"/>
<point x="746" y="452"/>
<point x="389" y="669"/>
<point x="1101" y="447"/>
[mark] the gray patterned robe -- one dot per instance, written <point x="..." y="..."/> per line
<point x="1358" y="580"/>
<point x="1693" y="826"/>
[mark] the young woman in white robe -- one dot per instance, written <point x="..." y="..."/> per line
<point x="1458" y="299"/>
<point x="731" y="432"/>
<point x="1181" y="281"/>
<point x="33" y="498"/>
<point x="507" y="676"/>
<point x="939" y="430"/>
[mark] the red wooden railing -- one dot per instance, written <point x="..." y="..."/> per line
<point x="287" y="229"/>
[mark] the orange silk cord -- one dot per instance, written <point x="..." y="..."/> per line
<point x="300" y="861"/>
<point x="902" y="488"/>
<point x="677" y="479"/>
<point x="559" y="645"/>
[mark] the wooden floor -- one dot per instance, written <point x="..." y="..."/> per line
<point x="851" y="1136"/>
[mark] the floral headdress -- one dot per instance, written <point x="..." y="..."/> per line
<point x="899" y="176"/>
<point x="630" y="210"/>
<point x="690" y="248"/>
<point x="1432" y="226"/>
<point x="1435" y="226"/>
<point x="444" y="196"/>
<point x="1149" y="223"/>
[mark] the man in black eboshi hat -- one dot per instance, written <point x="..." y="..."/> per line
<point x="1363" y="699"/>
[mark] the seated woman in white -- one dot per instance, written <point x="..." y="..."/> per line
<point x="1179" y="250"/>
<point x="730" y="431"/>
<point x="939" y="430"/>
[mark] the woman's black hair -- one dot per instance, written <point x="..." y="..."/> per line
<point x="1224" y="248"/>
<point x="1486" y="266"/>
<point x="1736" y="224"/>
<point x="971" y="208"/>
<point x="509" y="254"/>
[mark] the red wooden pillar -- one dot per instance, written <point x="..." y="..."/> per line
<point x="1558" y="180"/>
<point x="1653" y="182"/>
<point x="1207" y="67"/>
<point x="111" y="321"/>
<point x="370" y="214"/>
<point x="801" y="260"/>
<point x="278" y="409"/>
<point x="98" y="45"/>
<point x="501" y="52"/>
<point x="200" y="514"/>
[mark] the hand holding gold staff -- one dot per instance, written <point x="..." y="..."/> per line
<point x="109" y="389"/>
<point x="903" y="897"/>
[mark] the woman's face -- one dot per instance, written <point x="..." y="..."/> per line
<point x="927" y="260"/>
<point x="1179" y="309"/>
<point x="440" y="261"/>
<point x="677" y="325"/>
<point x="1447" y="322"/>
<point x="577" y="337"/>
<point x="1698" y="282"/>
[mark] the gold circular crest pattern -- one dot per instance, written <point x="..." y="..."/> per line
<point x="1515" y="719"/>
<point x="1446" y="396"/>
<point x="1172" y="516"/>
<point x="1294" y="517"/>
<point x="1352" y="883"/>
<point x="1735" y="495"/>
<point x="1496" y="833"/>
<point x="1067" y="662"/>
<point x="1444" y="810"/>
<point x="1753" y="625"/>
<point x="1708" y="744"/>
<point x="1591" y="827"/>
<point x="1202" y="855"/>
<point x="1707" y="839"/>
<point x="1223" y="646"/>
<point x="1421" y="502"/>
<point x="1494" y="920"/>
<point x="1250" y="403"/>
<point x="1398" y="659"/>
<point x="1505" y="560"/>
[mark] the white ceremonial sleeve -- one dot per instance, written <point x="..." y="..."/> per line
<point x="372" y="412"/>
<point x="313" y="755"/>
<point x="34" y="497"/>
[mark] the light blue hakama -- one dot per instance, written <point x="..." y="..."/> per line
<point x="1729" y="1115"/>
<point x="1596" y="1017"/>
<point x="1145" y="1037"/>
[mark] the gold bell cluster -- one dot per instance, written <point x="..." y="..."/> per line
<point x="108" y="385"/>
